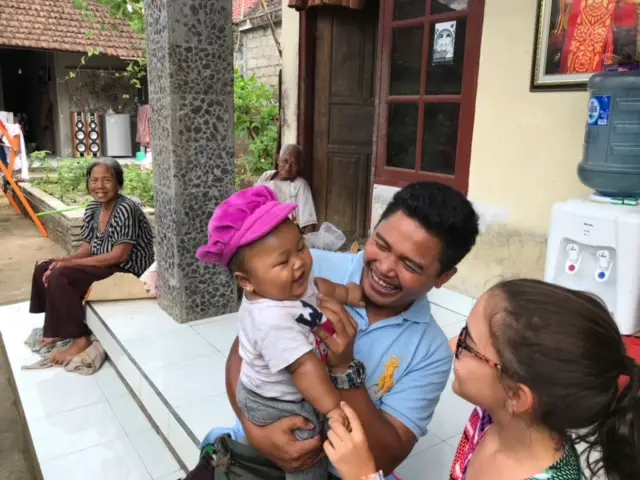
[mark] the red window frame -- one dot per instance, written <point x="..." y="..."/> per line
<point x="398" y="177"/>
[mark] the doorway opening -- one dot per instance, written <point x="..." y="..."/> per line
<point x="28" y="91"/>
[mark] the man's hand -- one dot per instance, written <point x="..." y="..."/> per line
<point x="340" y="344"/>
<point x="278" y="443"/>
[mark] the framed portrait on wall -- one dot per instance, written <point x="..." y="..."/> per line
<point x="577" y="38"/>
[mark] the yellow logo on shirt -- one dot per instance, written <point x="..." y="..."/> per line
<point x="386" y="382"/>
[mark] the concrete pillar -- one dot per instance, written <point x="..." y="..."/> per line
<point x="191" y="96"/>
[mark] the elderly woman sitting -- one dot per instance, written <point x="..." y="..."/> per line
<point x="290" y="187"/>
<point x="117" y="238"/>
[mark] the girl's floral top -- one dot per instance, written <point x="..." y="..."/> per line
<point x="567" y="468"/>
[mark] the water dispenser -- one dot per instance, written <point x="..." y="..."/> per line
<point x="594" y="242"/>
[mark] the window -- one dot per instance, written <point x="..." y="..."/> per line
<point x="428" y="70"/>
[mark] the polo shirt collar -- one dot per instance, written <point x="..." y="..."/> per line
<point x="418" y="312"/>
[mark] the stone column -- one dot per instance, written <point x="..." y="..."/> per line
<point x="191" y="96"/>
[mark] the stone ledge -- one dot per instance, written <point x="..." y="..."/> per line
<point x="64" y="227"/>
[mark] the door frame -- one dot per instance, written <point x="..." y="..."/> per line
<point x="386" y="176"/>
<point x="308" y="24"/>
<point x="306" y="87"/>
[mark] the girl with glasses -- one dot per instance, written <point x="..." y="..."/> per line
<point x="548" y="370"/>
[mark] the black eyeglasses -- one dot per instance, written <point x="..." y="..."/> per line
<point x="463" y="345"/>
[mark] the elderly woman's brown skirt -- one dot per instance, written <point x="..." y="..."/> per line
<point x="62" y="299"/>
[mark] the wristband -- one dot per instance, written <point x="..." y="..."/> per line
<point x="373" y="476"/>
<point x="353" y="377"/>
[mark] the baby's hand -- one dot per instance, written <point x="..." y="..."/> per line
<point x="337" y="416"/>
<point x="355" y="296"/>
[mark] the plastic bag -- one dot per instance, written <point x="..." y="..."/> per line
<point x="149" y="279"/>
<point x="328" y="237"/>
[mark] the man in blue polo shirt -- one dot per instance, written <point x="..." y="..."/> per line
<point x="391" y="360"/>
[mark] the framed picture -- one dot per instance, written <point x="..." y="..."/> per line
<point x="577" y="38"/>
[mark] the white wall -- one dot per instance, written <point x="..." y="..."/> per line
<point x="525" y="153"/>
<point x="290" y="52"/>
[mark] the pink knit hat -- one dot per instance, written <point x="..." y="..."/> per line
<point x="243" y="218"/>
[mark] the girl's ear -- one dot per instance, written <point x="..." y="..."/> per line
<point x="520" y="399"/>
<point x="244" y="282"/>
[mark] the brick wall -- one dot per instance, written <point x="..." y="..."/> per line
<point x="256" y="53"/>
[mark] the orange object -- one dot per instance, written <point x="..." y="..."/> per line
<point x="590" y="28"/>
<point x="632" y="343"/>
<point x="14" y="147"/>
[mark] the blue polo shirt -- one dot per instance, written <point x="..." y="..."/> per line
<point x="407" y="357"/>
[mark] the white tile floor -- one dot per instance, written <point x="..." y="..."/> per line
<point x="82" y="427"/>
<point x="180" y="361"/>
<point x="185" y="365"/>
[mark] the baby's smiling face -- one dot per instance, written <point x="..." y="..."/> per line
<point x="277" y="266"/>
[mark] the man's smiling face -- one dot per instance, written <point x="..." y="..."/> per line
<point x="402" y="263"/>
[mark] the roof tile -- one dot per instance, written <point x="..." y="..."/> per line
<point x="241" y="11"/>
<point x="57" y="25"/>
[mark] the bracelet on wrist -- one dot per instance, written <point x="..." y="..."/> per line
<point x="374" y="476"/>
<point x="352" y="377"/>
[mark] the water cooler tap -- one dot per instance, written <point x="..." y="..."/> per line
<point x="604" y="266"/>
<point x="573" y="260"/>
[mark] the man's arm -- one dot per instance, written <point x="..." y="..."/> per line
<point x="408" y="407"/>
<point x="389" y="440"/>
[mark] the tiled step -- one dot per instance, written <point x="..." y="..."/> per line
<point x="178" y="374"/>
<point x="176" y="371"/>
<point x="82" y="424"/>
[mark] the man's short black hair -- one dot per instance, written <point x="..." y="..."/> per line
<point x="443" y="212"/>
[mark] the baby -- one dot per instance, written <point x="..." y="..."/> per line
<point x="283" y="369"/>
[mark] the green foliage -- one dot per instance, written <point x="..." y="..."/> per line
<point x="41" y="159"/>
<point x="69" y="185"/>
<point x="131" y="11"/>
<point x="139" y="184"/>
<point x="256" y="121"/>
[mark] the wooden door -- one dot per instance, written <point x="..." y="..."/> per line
<point x="344" y="116"/>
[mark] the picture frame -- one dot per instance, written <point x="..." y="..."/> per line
<point x="567" y="52"/>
